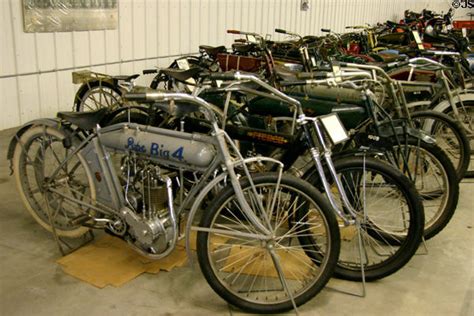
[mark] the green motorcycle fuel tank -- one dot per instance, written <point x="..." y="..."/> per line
<point x="317" y="100"/>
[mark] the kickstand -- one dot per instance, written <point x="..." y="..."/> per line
<point x="362" y="262"/>
<point x="361" y="258"/>
<point x="281" y="275"/>
<point x="64" y="247"/>
<point x="425" y="248"/>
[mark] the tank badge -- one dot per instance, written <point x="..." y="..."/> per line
<point x="135" y="146"/>
<point x="158" y="151"/>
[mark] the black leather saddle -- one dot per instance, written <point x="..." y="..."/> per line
<point x="84" y="120"/>
<point x="179" y="74"/>
<point x="243" y="48"/>
<point x="212" y="50"/>
<point x="124" y="78"/>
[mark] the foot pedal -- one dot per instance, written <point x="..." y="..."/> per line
<point x="80" y="220"/>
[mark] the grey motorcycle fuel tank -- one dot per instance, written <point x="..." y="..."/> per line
<point x="167" y="146"/>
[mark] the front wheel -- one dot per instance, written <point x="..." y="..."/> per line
<point x="450" y="136"/>
<point x="434" y="177"/>
<point x="252" y="271"/>
<point x="390" y="214"/>
<point x="466" y="118"/>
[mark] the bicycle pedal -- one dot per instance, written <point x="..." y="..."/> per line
<point x="80" y="220"/>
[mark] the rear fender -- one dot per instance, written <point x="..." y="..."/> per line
<point x="50" y="122"/>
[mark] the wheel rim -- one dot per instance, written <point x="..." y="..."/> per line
<point x="384" y="216"/>
<point x="245" y="267"/>
<point x="40" y="156"/>
<point x="466" y="118"/>
<point x="430" y="179"/>
<point x="99" y="97"/>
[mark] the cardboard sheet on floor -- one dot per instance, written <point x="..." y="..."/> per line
<point x="110" y="261"/>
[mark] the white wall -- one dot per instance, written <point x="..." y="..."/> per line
<point x="35" y="68"/>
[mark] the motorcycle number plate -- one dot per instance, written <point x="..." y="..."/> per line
<point x="183" y="64"/>
<point x="334" y="128"/>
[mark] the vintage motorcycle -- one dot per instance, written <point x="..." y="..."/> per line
<point x="259" y="232"/>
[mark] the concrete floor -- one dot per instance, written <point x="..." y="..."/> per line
<point x="31" y="283"/>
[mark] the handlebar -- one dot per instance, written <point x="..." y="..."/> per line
<point x="282" y="31"/>
<point x="413" y="62"/>
<point x="243" y="33"/>
<point x="157" y="96"/>
<point x="359" y="27"/>
<point x="326" y="30"/>
<point x="238" y="76"/>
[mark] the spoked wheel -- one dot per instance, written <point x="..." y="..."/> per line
<point x="94" y="95"/>
<point x="259" y="273"/>
<point x="38" y="154"/>
<point x="466" y="118"/>
<point x="434" y="176"/>
<point x="450" y="136"/>
<point x="390" y="216"/>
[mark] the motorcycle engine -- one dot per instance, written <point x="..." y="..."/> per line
<point x="148" y="192"/>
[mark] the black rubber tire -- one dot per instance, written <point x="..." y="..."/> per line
<point x="469" y="106"/>
<point x="90" y="85"/>
<point x="461" y="141"/>
<point x="407" y="245"/>
<point x="304" y="189"/>
<point x="447" y="212"/>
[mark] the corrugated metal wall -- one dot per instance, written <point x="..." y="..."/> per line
<point x="35" y="68"/>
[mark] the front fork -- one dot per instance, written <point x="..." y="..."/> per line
<point x="316" y="156"/>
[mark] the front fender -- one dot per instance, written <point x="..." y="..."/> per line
<point x="402" y="130"/>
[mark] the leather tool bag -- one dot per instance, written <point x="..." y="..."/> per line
<point x="236" y="62"/>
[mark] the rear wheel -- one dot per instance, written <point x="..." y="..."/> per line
<point x="38" y="154"/>
<point x="94" y="95"/>
<point x="243" y="268"/>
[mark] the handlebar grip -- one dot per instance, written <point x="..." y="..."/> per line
<point x="280" y="31"/>
<point x="222" y="76"/>
<point x="233" y="31"/>
<point x="398" y="64"/>
<point x="135" y="97"/>
<point x="403" y="63"/>
<point x="326" y="30"/>
<point x="150" y="71"/>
